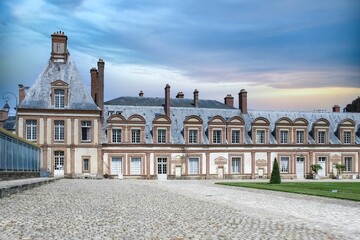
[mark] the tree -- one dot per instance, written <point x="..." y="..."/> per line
<point x="354" y="106"/>
<point x="275" y="174"/>
<point x="315" y="168"/>
<point x="339" y="167"/>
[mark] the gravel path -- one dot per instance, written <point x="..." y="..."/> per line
<point x="136" y="209"/>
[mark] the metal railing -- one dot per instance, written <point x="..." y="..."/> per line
<point x="17" y="154"/>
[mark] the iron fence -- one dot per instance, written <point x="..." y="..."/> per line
<point x="17" y="154"/>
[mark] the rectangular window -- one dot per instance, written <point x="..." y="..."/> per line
<point x="86" y="164"/>
<point x="31" y="126"/>
<point x="59" y="98"/>
<point x="348" y="164"/>
<point x="284" y="136"/>
<point x="85" y="131"/>
<point x="116" y="165"/>
<point x="321" y="137"/>
<point x="116" y="135"/>
<point x="217" y="136"/>
<point x="162" y="165"/>
<point x="193" y="136"/>
<point x="193" y="165"/>
<point x="260" y="136"/>
<point x="135" y="166"/>
<point x="299" y="137"/>
<point x="235" y="136"/>
<point x="135" y="135"/>
<point x="284" y="164"/>
<point x="161" y="137"/>
<point x="322" y="159"/>
<point x="235" y="165"/>
<point x="59" y="160"/>
<point x="59" y="130"/>
<point x="347" y="137"/>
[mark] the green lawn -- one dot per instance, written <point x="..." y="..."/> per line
<point x="345" y="190"/>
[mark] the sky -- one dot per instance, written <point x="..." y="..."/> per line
<point x="299" y="55"/>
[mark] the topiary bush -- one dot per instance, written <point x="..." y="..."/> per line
<point x="275" y="174"/>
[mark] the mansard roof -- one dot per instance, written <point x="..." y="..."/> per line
<point x="39" y="94"/>
<point x="158" y="102"/>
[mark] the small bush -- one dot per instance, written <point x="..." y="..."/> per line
<point x="275" y="174"/>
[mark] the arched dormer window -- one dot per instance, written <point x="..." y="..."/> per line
<point x="260" y="130"/>
<point x="116" y="128"/>
<point x="321" y="131"/>
<point x="301" y="132"/>
<point x="59" y="94"/>
<point x="161" y="129"/>
<point x="136" y="126"/>
<point x="346" y="131"/>
<point x="235" y="126"/>
<point x="217" y="130"/>
<point x="284" y="130"/>
<point x="193" y="128"/>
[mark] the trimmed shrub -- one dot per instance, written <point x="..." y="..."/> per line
<point x="275" y="174"/>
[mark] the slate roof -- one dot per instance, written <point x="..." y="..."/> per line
<point x="38" y="95"/>
<point x="179" y="114"/>
<point x="10" y="123"/>
<point x="158" y="102"/>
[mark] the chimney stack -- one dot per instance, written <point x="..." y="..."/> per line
<point x="196" y="98"/>
<point x="167" y="100"/>
<point x="229" y="100"/>
<point x="21" y="93"/>
<point x="336" y="108"/>
<point x="180" y="95"/>
<point x="59" y="52"/>
<point x="97" y="84"/>
<point x="243" y="101"/>
<point x="141" y="93"/>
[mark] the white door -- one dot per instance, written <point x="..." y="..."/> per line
<point x="220" y="173"/>
<point x="322" y="162"/>
<point x="300" y="167"/>
<point x="162" y="168"/>
<point x="116" y="166"/>
<point x="58" y="163"/>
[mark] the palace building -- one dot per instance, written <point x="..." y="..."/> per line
<point x="168" y="137"/>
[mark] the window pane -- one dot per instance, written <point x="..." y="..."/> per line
<point x="59" y="98"/>
<point x="193" y="166"/>
<point x="299" y="137"/>
<point x="135" y="135"/>
<point x="260" y="136"/>
<point x="217" y="136"/>
<point x="348" y="164"/>
<point x="161" y="136"/>
<point x="235" y="165"/>
<point x="31" y="126"/>
<point x="347" y="137"/>
<point x="116" y="135"/>
<point x="193" y="136"/>
<point x="284" y="136"/>
<point x="59" y="130"/>
<point x="86" y="164"/>
<point x="284" y="164"/>
<point x="116" y="165"/>
<point x="135" y="166"/>
<point x="321" y="137"/>
<point x="235" y="136"/>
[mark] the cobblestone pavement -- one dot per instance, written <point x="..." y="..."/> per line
<point x="136" y="209"/>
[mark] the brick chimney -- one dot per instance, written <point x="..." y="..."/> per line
<point x="97" y="83"/>
<point x="167" y="100"/>
<point x="59" y="52"/>
<point x="141" y="93"/>
<point x="243" y="101"/>
<point x="21" y="93"/>
<point x="229" y="100"/>
<point x="196" y="98"/>
<point x="336" y="108"/>
<point x="180" y="95"/>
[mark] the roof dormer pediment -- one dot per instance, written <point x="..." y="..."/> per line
<point x="59" y="83"/>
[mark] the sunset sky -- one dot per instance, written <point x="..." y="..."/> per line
<point x="288" y="55"/>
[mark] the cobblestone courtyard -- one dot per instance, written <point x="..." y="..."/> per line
<point x="136" y="209"/>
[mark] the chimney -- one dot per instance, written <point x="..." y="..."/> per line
<point x="59" y="52"/>
<point x="167" y="100"/>
<point x="97" y="84"/>
<point x="243" y="101"/>
<point x="196" y="98"/>
<point x="101" y="66"/>
<point x="336" y="108"/>
<point x="141" y="93"/>
<point x="21" y="93"/>
<point x="180" y="95"/>
<point x="229" y="100"/>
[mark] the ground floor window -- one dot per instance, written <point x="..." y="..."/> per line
<point x="235" y="165"/>
<point x="193" y="165"/>
<point x="348" y="164"/>
<point x="284" y="164"/>
<point x="116" y="165"/>
<point x="86" y="165"/>
<point x="59" y="160"/>
<point x="162" y="166"/>
<point x="135" y="168"/>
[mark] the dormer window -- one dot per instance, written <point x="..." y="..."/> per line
<point x="59" y="94"/>
<point x="346" y="131"/>
<point x="260" y="136"/>
<point x="321" y="137"/>
<point x="321" y="131"/>
<point x="193" y="136"/>
<point x="347" y="137"/>
<point x="299" y="136"/>
<point x="193" y="129"/>
<point x="260" y="130"/>
<point x="217" y="136"/>
<point x="59" y="98"/>
<point x="284" y="135"/>
<point x="161" y="129"/>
